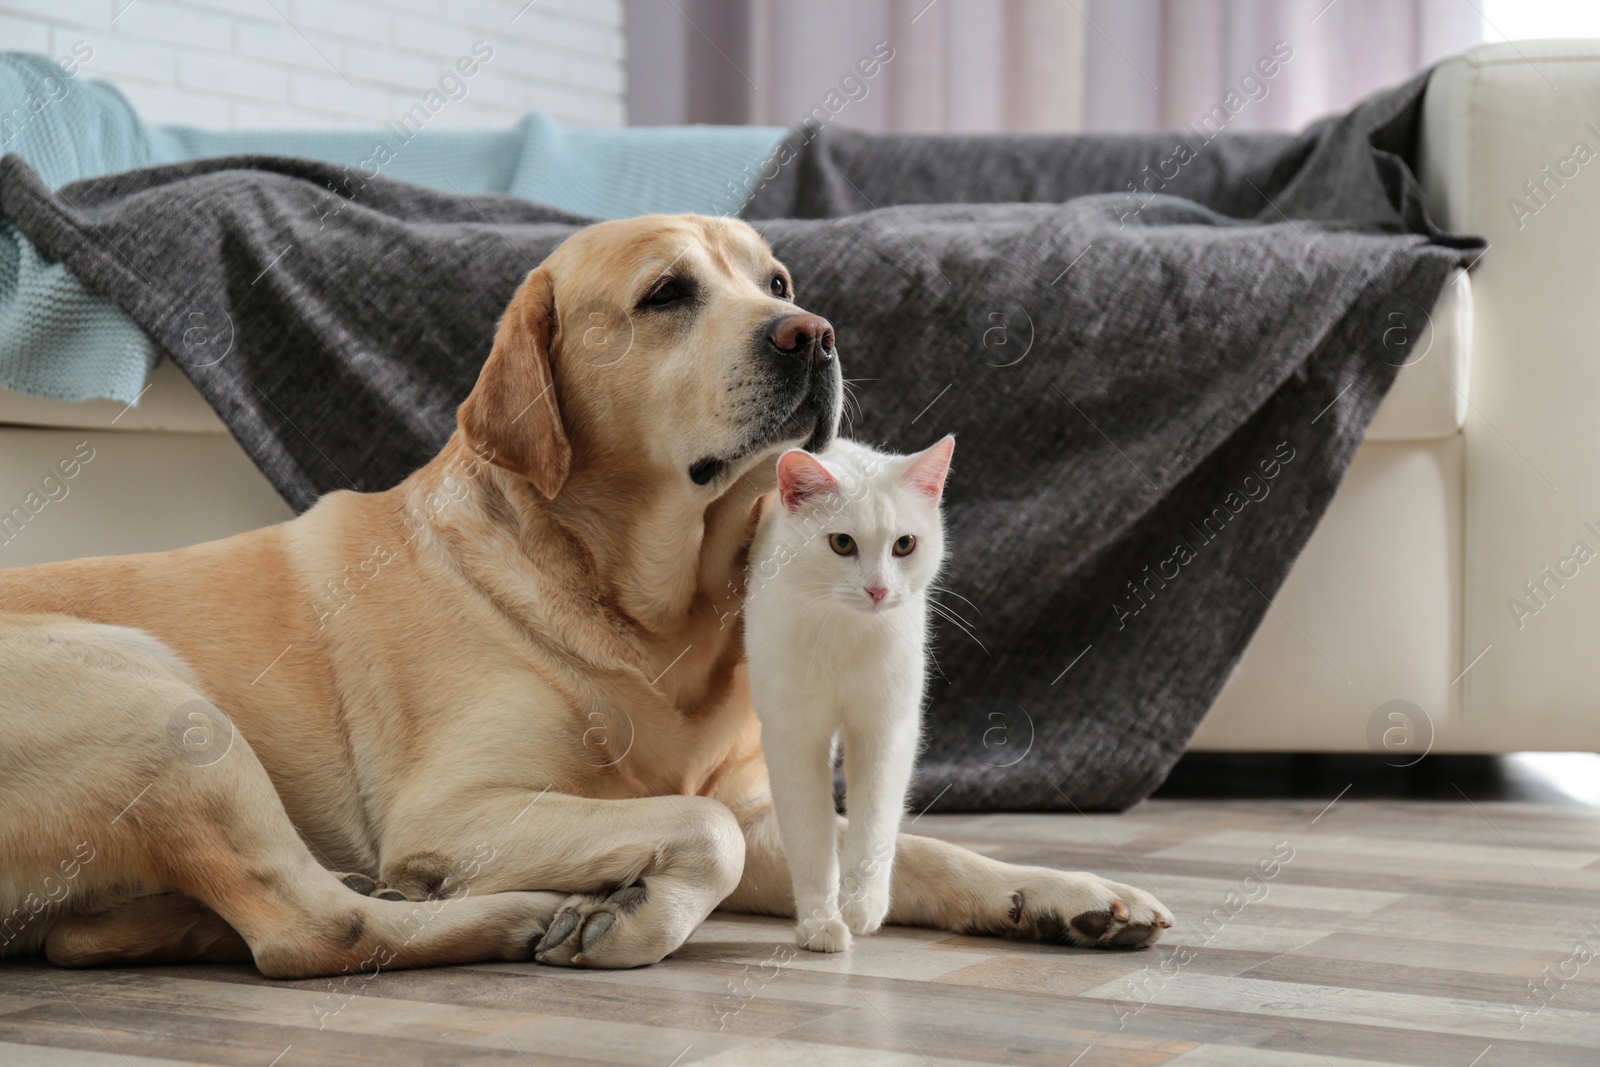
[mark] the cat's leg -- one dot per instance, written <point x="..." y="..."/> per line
<point x="879" y="752"/>
<point x="802" y="793"/>
<point x="944" y="886"/>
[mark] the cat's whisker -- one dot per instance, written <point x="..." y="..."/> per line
<point x="812" y="602"/>
<point x="910" y="643"/>
<point x="972" y="634"/>
<point x="800" y="585"/>
<point x="959" y="624"/>
<point x="958" y="596"/>
<point x="818" y="592"/>
<point x="951" y="613"/>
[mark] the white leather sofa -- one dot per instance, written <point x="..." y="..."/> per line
<point x="1479" y="470"/>
<point x="1408" y="590"/>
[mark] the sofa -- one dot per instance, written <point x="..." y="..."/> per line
<point x="1444" y="602"/>
<point x="1398" y="629"/>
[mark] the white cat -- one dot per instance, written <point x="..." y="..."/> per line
<point x="836" y="620"/>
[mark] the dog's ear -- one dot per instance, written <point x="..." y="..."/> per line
<point x="511" y="416"/>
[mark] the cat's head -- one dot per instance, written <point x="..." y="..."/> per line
<point x="868" y="527"/>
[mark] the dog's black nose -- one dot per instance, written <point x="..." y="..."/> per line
<point x="808" y="337"/>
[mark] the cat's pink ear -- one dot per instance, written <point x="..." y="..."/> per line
<point x="802" y="479"/>
<point x="928" y="468"/>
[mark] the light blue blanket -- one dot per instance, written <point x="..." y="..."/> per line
<point x="62" y="341"/>
<point x="57" y="338"/>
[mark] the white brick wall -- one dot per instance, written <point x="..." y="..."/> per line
<point x="252" y="64"/>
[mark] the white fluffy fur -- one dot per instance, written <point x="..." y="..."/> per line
<point x="830" y="661"/>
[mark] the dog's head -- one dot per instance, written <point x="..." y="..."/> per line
<point x="669" y="344"/>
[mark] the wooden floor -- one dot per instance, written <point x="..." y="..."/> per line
<point x="1461" y="933"/>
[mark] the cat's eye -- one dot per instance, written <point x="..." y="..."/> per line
<point x="843" y="544"/>
<point x="905" y="546"/>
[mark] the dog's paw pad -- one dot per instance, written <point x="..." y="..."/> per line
<point x="1104" y="914"/>
<point x="370" y="887"/>
<point x="1092" y="925"/>
<point x="358" y="883"/>
<point x="1131" y="936"/>
<point x="576" y="935"/>
<point x="627" y="898"/>
<point x="562" y="927"/>
<point x="598" y="926"/>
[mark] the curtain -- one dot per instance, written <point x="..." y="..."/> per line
<point x="1028" y="65"/>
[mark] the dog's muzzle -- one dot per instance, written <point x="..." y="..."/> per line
<point x="804" y="389"/>
<point x="806" y="359"/>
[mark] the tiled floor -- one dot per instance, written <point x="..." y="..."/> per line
<point x="1463" y="933"/>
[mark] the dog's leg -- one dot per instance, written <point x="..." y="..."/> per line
<point x="107" y="743"/>
<point x="222" y="837"/>
<point x="946" y="887"/>
<point x="160" y="928"/>
<point x="637" y="875"/>
<point x="219" y="835"/>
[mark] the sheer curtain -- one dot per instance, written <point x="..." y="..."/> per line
<point x="1021" y="65"/>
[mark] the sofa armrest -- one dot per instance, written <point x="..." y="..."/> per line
<point x="1510" y="149"/>
<point x="170" y="403"/>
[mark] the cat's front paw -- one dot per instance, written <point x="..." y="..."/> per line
<point x="1073" y="908"/>
<point x="822" y="934"/>
<point x="865" y="912"/>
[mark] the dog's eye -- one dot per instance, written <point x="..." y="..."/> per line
<point x="779" y="286"/>
<point x="905" y="546"/>
<point x="843" y="544"/>
<point x="666" y="293"/>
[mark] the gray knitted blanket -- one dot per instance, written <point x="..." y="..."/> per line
<point x="1158" y="369"/>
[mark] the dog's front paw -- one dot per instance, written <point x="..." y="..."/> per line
<point x="1085" y="910"/>
<point x="822" y="934"/>
<point x="587" y="931"/>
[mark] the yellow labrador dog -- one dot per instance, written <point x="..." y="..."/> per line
<point x="506" y="698"/>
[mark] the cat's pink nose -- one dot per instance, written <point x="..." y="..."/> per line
<point x="877" y="592"/>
